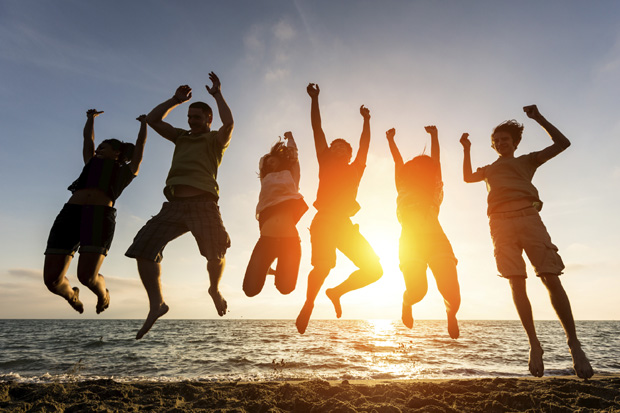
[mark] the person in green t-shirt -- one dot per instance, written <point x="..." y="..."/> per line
<point x="192" y="193"/>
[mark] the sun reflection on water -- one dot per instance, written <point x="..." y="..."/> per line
<point x="389" y="355"/>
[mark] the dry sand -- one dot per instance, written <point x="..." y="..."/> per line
<point x="554" y="394"/>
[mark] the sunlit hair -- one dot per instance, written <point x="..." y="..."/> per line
<point x="204" y="107"/>
<point x="125" y="148"/>
<point x="514" y="128"/>
<point x="420" y="176"/>
<point x="341" y="141"/>
<point x="285" y="155"/>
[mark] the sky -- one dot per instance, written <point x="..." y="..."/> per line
<point x="463" y="66"/>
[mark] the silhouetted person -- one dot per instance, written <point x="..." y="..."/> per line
<point x="513" y="210"/>
<point x="192" y="192"/>
<point x="422" y="242"/>
<point x="87" y="220"/>
<point x="336" y="203"/>
<point x="280" y="206"/>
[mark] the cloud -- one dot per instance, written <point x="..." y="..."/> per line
<point x="27" y="273"/>
<point x="269" y="49"/>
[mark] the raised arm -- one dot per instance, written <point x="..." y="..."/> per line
<point x="138" y="151"/>
<point x="155" y="118"/>
<point x="88" y="150"/>
<point x="398" y="159"/>
<point x="320" y="143"/>
<point x="468" y="175"/>
<point x="560" y="142"/>
<point x="228" y="124"/>
<point x="362" y="152"/>
<point x="292" y="146"/>
<point x="432" y="130"/>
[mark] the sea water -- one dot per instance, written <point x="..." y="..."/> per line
<point x="249" y="350"/>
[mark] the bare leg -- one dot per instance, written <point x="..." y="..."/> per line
<point x="150" y="274"/>
<point x="88" y="274"/>
<point x="54" y="270"/>
<point x="561" y="305"/>
<point x="316" y="278"/>
<point x="416" y="287"/>
<point x="448" y="285"/>
<point x="215" y="268"/>
<point x="524" y="309"/>
<point x="358" y="279"/>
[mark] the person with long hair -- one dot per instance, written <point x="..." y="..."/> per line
<point x="86" y="222"/>
<point x="423" y="243"/>
<point x="280" y="206"/>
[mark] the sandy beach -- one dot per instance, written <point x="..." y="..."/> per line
<point x="556" y="394"/>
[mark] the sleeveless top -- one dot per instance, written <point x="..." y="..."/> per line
<point x="107" y="175"/>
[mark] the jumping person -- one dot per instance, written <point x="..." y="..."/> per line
<point x="336" y="203"/>
<point x="422" y="242"/>
<point x="86" y="222"/>
<point x="513" y="210"/>
<point x="192" y="193"/>
<point x="280" y="206"/>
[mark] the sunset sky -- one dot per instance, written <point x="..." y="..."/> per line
<point x="463" y="66"/>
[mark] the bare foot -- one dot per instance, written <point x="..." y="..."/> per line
<point x="150" y="320"/>
<point x="407" y="316"/>
<point x="453" y="326"/>
<point x="220" y="304"/>
<point x="581" y="364"/>
<point x="331" y="294"/>
<point x="535" y="364"/>
<point x="75" y="301"/>
<point x="103" y="302"/>
<point x="304" y="317"/>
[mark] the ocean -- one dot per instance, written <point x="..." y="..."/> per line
<point x="253" y="350"/>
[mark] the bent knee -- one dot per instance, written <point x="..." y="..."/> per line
<point x="286" y="288"/>
<point x="374" y="271"/>
<point x="250" y="292"/>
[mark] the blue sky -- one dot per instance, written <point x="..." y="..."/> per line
<point x="464" y="67"/>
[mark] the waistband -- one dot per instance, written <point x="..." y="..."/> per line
<point x="514" y="214"/>
<point x="206" y="197"/>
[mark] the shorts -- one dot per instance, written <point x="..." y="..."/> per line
<point x="89" y="228"/>
<point x="423" y="243"/>
<point x="516" y="231"/>
<point x="199" y="215"/>
<point x="328" y="233"/>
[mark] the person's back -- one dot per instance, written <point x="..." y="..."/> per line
<point x="423" y="243"/>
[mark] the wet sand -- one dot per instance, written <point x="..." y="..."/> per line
<point x="550" y="394"/>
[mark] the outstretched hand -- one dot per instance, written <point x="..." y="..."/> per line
<point x="93" y="113"/>
<point x="365" y="112"/>
<point x="141" y="118"/>
<point x="217" y="86"/>
<point x="465" y="141"/>
<point x="532" y="112"/>
<point x="183" y="93"/>
<point x="432" y="129"/>
<point x="390" y="134"/>
<point x="313" y="90"/>
<point x="288" y="135"/>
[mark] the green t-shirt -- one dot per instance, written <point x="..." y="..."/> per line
<point x="195" y="162"/>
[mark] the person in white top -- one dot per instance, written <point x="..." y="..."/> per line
<point x="280" y="206"/>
